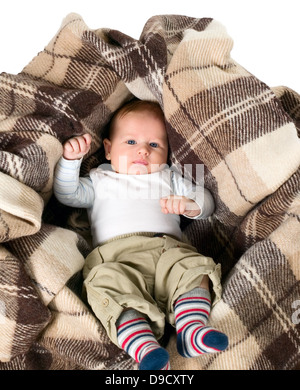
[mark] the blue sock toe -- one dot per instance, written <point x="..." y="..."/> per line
<point x="216" y="340"/>
<point x="155" y="360"/>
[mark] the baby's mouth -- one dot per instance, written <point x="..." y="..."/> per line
<point x="141" y="162"/>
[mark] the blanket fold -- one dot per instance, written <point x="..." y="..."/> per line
<point x="219" y="115"/>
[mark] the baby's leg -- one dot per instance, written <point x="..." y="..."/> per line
<point x="191" y="316"/>
<point x="137" y="339"/>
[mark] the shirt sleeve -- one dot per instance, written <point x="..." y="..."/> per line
<point x="197" y="193"/>
<point x="71" y="189"/>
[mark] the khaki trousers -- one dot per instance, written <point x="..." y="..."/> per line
<point x="147" y="274"/>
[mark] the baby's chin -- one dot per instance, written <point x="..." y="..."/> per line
<point x="141" y="169"/>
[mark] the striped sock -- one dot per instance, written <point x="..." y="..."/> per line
<point x="137" y="339"/>
<point x="191" y="315"/>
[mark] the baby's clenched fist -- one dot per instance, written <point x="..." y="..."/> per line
<point x="77" y="147"/>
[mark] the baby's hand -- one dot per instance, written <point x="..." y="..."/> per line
<point x="77" y="147"/>
<point x="175" y="204"/>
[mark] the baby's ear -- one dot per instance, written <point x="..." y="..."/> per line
<point x="107" y="147"/>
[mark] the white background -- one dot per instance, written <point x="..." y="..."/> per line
<point x="265" y="32"/>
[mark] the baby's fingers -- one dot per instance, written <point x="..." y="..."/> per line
<point x="173" y="204"/>
<point x="163" y="206"/>
<point x="88" y="139"/>
<point x="80" y="145"/>
<point x="77" y="147"/>
<point x="176" y="205"/>
<point x="68" y="146"/>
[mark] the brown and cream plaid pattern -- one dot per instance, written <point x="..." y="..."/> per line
<point x="246" y="135"/>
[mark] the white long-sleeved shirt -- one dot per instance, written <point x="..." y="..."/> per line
<point x="120" y="204"/>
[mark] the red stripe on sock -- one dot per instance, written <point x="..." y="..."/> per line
<point x="129" y="322"/>
<point x="139" y="348"/>
<point x="192" y="298"/>
<point x="201" y="324"/>
<point x="193" y="344"/>
<point x="133" y="335"/>
<point x="191" y="310"/>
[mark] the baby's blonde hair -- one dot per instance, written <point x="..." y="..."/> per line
<point x="135" y="105"/>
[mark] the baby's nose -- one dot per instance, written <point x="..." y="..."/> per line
<point x="144" y="150"/>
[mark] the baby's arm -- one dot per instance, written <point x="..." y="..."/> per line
<point x="175" y="204"/>
<point x="189" y="200"/>
<point x="69" y="188"/>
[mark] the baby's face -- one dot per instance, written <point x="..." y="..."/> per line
<point x="138" y="145"/>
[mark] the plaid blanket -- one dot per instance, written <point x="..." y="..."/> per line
<point x="246" y="135"/>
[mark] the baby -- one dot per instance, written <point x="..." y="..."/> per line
<point x="140" y="273"/>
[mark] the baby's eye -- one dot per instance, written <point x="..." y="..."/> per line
<point x="131" y="142"/>
<point x="154" y="144"/>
